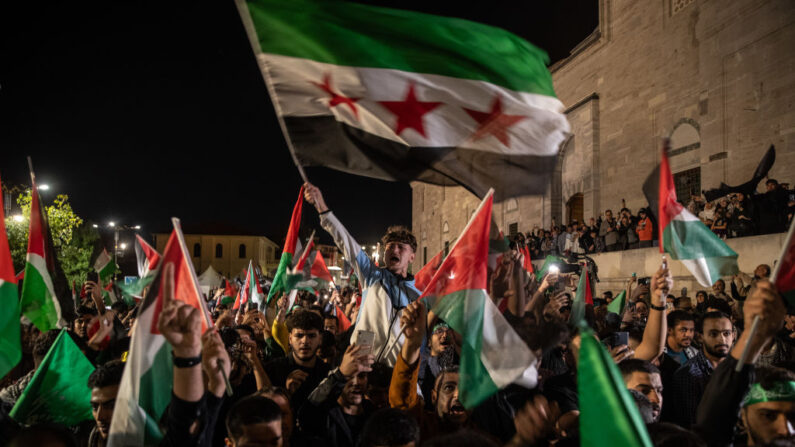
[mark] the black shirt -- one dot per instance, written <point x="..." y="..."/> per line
<point x="279" y="369"/>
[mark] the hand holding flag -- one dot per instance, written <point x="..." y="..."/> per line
<point x="179" y="322"/>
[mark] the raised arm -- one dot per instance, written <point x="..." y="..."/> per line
<point x="654" y="335"/>
<point x="403" y="387"/>
<point x="345" y="242"/>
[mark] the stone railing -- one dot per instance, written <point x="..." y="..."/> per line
<point x="616" y="268"/>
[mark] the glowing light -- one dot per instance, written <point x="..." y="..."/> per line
<point x="18" y="218"/>
<point x="123" y="246"/>
<point x="452" y="275"/>
<point x="137" y="227"/>
<point x="44" y="187"/>
<point x="111" y="224"/>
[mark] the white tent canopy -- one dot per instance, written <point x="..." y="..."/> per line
<point x="210" y="278"/>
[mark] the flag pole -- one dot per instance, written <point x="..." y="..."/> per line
<point x="773" y="275"/>
<point x="252" y="37"/>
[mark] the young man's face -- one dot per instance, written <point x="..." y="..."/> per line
<point x="650" y="385"/>
<point x="287" y="413"/>
<point x="682" y="334"/>
<point x="718" y="337"/>
<point x="304" y="343"/>
<point x="441" y="340"/>
<point x="353" y="392"/>
<point x="81" y="323"/>
<point x="264" y="434"/>
<point x="445" y="396"/>
<point x="103" y="399"/>
<point x="330" y="324"/>
<point x="769" y="421"/>
<point x="398" y="256"/>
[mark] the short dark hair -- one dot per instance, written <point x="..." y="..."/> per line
<point x="466" y="437"/>
<point x="44" y="433"/>
<point x="669" y="434"/>
<point x="85" y="310"/>
<point x="390" y="427"/>
<point x="380" y="376"/>
<point x="120" y="307"/>
<point x="247" y="328"/>
<point x="719" y="304"/>
<point x="714" y="315"/>
<point x="273" y="390"/>
<point x="304" y="320"/>
<point x="767" y="376"/>
<point x="677" y="316"/>
<point x="629" y="366"/>
<point x="400" y="234"/>
<point x="771" y="180"/>
<point x="44" y="342"/>
<point x="250" y="410"/>
<point x="107" y="374"/>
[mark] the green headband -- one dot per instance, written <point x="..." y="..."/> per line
<point x="441" y="325"/>
<point x="780" y="392"/>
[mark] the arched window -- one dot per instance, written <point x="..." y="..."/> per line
<point x="241" y="251"/>
<point x="445" y="227"/>
<point x="197" y="250"/>
<point x="219" y="251"/>
<point x="511" y="205"/>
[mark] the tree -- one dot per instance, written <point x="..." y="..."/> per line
<point x="73" y="241"/>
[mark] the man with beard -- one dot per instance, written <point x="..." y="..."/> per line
<point x="681" y="329"/>
<point x="768" y="412"/>
<point x="689" y="381"/>
<point x="642" y="376"/>
<point x="442" y="350"/>
<point x="386" y="290"/>
<point x="300" y="371"/>
<point x="104" y="383"/>
<point x="448" y="414"/>
<point x="336" y="410"/>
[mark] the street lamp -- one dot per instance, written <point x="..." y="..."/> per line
<point x="123" y="246"/>
<point x="44" y="187"/>
<point x="111" y="224"/>
<point x="95" y="226"/>
<point x="18" y="218"/>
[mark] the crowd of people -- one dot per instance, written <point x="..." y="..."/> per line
<point x="299" y="377"/>
<point x="735" y="215"/>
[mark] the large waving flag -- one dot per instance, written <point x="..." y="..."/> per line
<point x="46" y="299"/>
<point x="424" y="275"/>
<point x="682" y="235"/>
<point x="492" y="354"/>
<point x="58" y="391"/>
<point x="10" y="347"/>
<point x="608" y="414"/>
<point x="290" y="243"/>
<point x="402" y="96"/>
<point x="310" y="272"/>
<point x="145" y="389"/>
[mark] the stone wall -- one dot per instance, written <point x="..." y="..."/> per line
<point x="715" y="75"/>
<point x="617" y="267"/>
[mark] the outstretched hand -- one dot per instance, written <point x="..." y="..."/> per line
<point x="353" y="362"/>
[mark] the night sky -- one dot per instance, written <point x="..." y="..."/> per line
<point x="140" y="111"/>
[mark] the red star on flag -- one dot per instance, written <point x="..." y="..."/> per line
<point x="336" y="98"/>
<point x="409" y="112"/>
<point x="494" y="122"/>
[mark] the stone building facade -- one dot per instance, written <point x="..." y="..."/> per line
<point x="228" y="255"/>
<point x="717" y="77"/>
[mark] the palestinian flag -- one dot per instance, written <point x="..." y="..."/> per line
<point x="228" y="297"/>
<point x="584" y="296"/>
<point x="250" y="292"/>
<point x="145" y="389"/>
<point x="528" y="263"/>
<point x="784" y="271"/>
<point x="146" y="256"/>
<point x="58" y="391"/>
<point x="310" y="272"/>
<point x="404" y="96"/>
<point x="682" y="234"/>
<point x="617" y="305"/>
<point x="423" y="277"/>
<point x="289" y="250"/>
<point x="10" y="345"/>
<point x="492" y="354"/>
<point x="343" y="323"/>
<point x="608" y="414"/>
<point x="104" y="265"/>
<point x="46" y="299"/>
